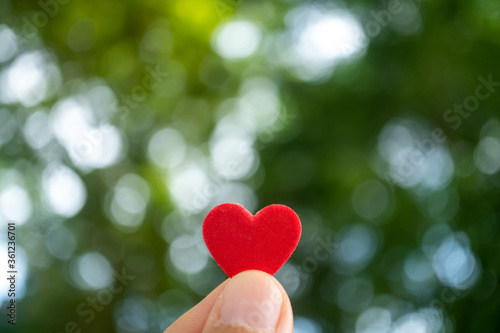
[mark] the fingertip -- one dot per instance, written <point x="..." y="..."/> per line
<point x="252" y="301"/>
<point x="195" y="319"/>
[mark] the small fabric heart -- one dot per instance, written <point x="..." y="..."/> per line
<point x="240" y="241"/>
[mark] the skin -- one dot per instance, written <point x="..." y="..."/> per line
<point x="204" y="317"/>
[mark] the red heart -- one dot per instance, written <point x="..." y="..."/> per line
<point x="240" y="241"/>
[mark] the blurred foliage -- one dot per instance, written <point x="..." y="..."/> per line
<point x="122" y="123"/>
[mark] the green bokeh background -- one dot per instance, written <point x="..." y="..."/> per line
<point x="416" y="247"/>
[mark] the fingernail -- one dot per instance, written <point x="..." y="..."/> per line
<point x="252" y="300"/>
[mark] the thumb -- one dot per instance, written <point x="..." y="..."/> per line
<point x="251" y="301"/>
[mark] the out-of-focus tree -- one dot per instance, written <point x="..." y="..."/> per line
<point x="122" y="123"/>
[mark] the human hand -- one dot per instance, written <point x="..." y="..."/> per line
<point x="249" y="302"/>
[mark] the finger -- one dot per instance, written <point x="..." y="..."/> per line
<point x="194" y="320"/>
<point x="252" y="301"/>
